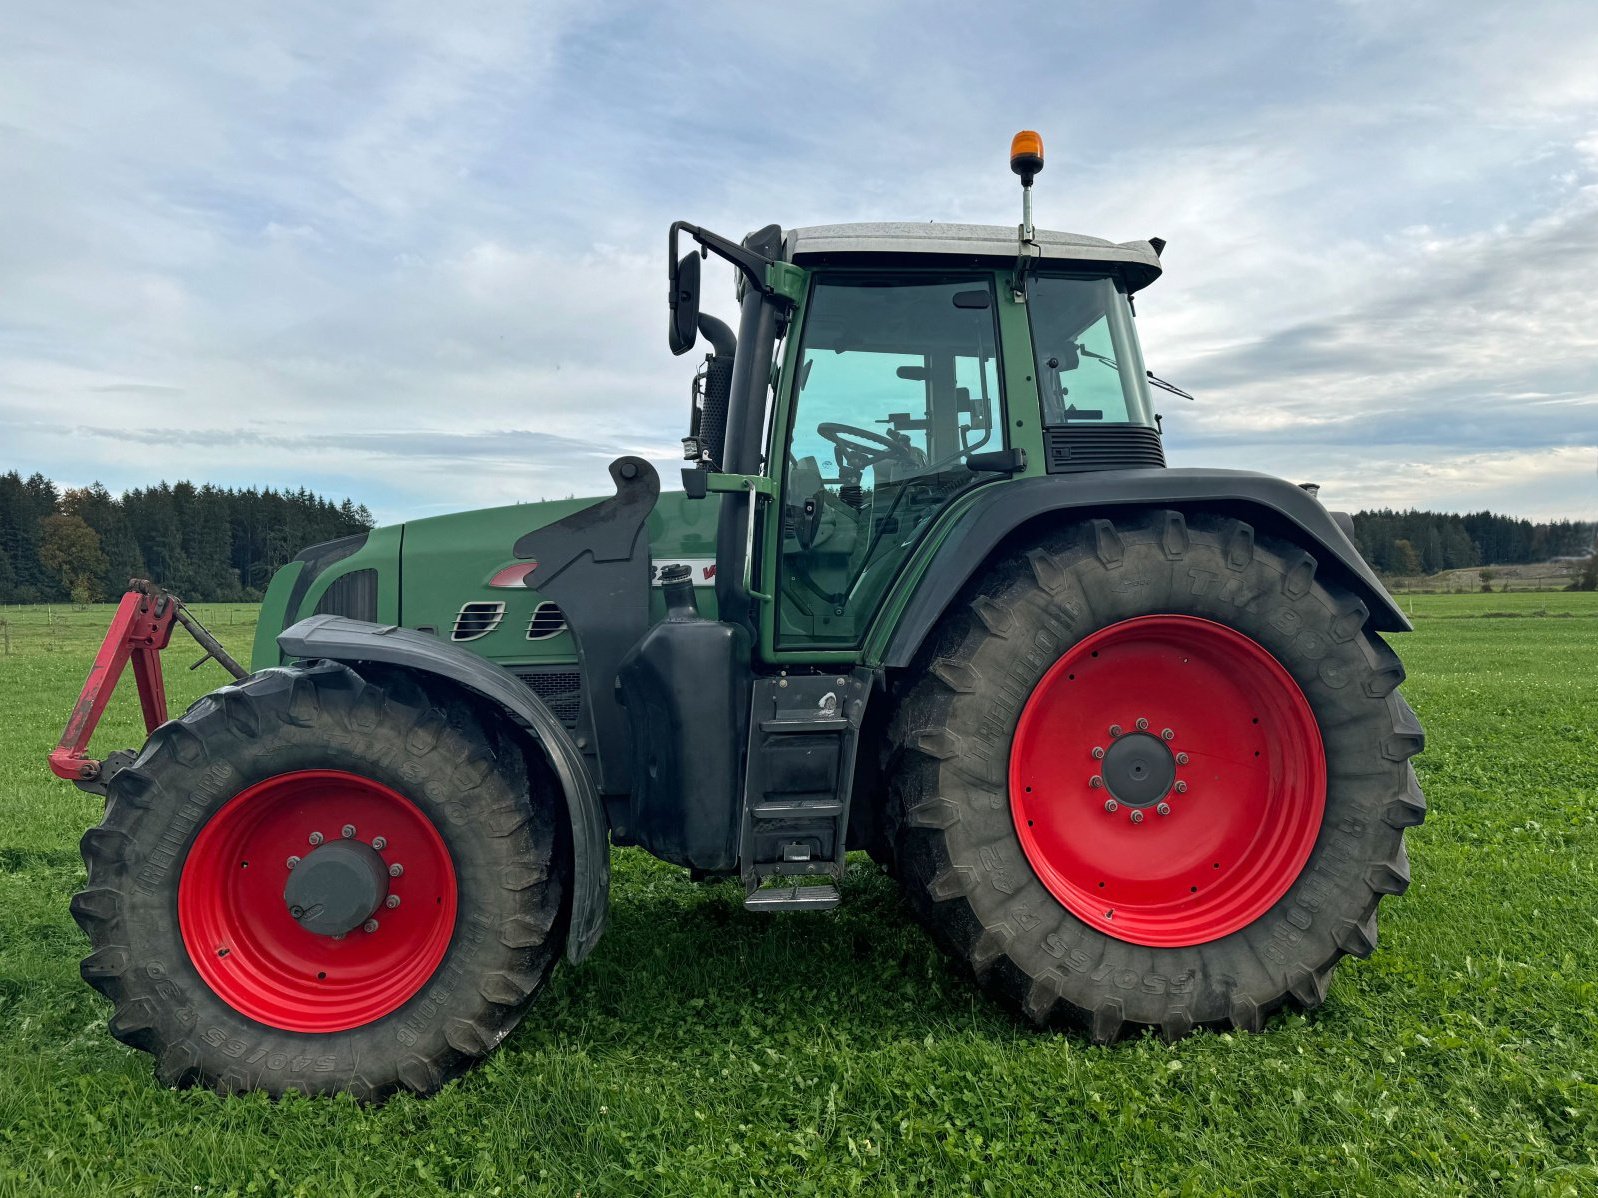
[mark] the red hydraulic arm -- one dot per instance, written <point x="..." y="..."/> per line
<point x="141" y="628"/>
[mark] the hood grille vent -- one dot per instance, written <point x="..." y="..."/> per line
<point x="548" y="620"/>
<point x="353" y="595"/>
<point x="477" y="619"/>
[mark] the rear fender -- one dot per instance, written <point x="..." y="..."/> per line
<point x="1271" y="504"/>
<point x="354" y="641"/>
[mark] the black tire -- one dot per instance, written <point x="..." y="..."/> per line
<point x="465" y="772"/>
<point x="959" y="856"/>
<point x="881" y="855"/>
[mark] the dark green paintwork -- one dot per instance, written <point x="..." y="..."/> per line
<point x="273" y="618"/>
<point x="427" y="569"/>
<point x="380" y="552"/>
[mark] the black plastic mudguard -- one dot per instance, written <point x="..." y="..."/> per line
<point x="354" y="641"/>
<point x="1273" y="505"/>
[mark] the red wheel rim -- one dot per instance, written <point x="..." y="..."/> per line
<point x="257" y="957"/>
<point x="1156" y="853"/>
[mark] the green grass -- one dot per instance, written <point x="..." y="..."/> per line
<point x="704" y="1050"/>
<point x="1563" y="604"/>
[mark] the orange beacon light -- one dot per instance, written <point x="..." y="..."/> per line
<point x="1026" y="155"/>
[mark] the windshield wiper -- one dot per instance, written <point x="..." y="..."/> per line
<point x="1153" y="378"/>
<point x="1165" y="386"/>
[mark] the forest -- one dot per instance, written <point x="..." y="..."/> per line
<point x="207" y="543"/>
<point x="1411" y="543"/>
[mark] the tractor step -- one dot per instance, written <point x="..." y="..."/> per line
<point x="803" y="732"/>
<point x="798" y="809"/>
<point x="821" y="896"/>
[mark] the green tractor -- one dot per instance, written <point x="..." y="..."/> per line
<point x="1128" y="737"/>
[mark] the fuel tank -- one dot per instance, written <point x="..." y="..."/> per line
<point x="684" y="686"/>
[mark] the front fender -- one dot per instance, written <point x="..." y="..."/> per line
<point x="1273" y="504"/>
<point x="354" y="641"/>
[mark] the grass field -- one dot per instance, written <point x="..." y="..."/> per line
<point x="704" y="1050"/>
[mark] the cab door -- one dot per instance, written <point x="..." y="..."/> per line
<point x="894" y="385"/>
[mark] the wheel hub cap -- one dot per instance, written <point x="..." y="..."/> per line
<point x="337" y="887"/>
<point x="1139" y="770"/>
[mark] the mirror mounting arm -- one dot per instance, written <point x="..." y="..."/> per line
<point x="751" y="265"/>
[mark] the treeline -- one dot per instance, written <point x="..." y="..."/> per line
<point x="1411" y="543"/>
<point x="210" y="544"/>
<point x="216" y="544"/>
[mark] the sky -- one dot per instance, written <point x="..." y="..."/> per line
<point x="414" y="253"/>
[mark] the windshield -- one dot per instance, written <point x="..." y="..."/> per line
<point x="1089" y="366"/>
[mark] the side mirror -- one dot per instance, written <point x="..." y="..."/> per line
<point x="684" y="299"/>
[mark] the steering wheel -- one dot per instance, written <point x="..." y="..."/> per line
<point x="858" y="448"/>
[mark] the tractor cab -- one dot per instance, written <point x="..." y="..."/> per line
<point x="909" y="365"/>
<point x="898" y="399"/>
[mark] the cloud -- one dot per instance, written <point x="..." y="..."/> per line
<point x="417" y="255"/>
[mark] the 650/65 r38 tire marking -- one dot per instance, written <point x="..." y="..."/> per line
<point x="248" y="945"/>
<point x="1167" y="780"/>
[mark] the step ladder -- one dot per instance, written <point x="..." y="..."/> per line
<point x="803" y="732"/>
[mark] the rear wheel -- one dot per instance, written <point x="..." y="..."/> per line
<point x="315" y="881"/>
<point x="1155" y="775"/>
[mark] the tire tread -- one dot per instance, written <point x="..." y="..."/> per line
<point x="945" y="776"/>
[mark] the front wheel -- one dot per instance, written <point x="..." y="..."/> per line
<point x="1154" y="775"/>
<point x="317" y="881"/>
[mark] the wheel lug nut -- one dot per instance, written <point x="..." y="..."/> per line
<point x="1137" y="817"/>
<point x="296" y="912"/>
<point x="395" y="870"/>
<point x="1181" y="759"/>
<point x="380" y="843"/>
<point x="1096" y="781"/>
<point x="293" y="861"/>
<point x="315" y="838"/>
<point x="1167" y="734"/>
<point x="1180" y="788"/>
<point x="391" y="901"/>
<point x="1142" y="724"/>
<point x="1098" y="753"/>
<point x="1111" y="806"/>
<point x="1115" y="730"/>
<point x="347" y="831"/>
<point x="1163" y="809"/>
<point x="369" y="926"/>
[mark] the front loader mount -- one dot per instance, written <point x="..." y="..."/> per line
<point x="140" y="630"/>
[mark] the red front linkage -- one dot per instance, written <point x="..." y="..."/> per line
<point x="141" y="628"/>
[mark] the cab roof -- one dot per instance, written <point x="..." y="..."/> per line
<point x="1138" y="260"/>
